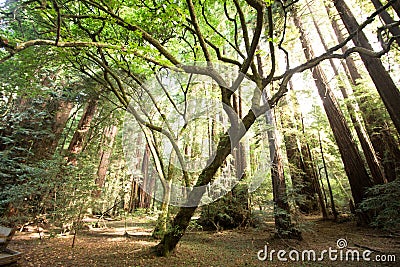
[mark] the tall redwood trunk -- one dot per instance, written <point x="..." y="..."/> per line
<point x="385" y="145"/>
<point x="60" y="120"/>
<point x="353" y="164"/>
<point x="240" y="192"/>
<point x="134" y="192"/>
<point x="77" y="141"/>
<point x="47" y="120"/>
<point x="369" y="152"/>
<point x="381" y="78"/>
<point x="334" y="211"/>
<point x="59" y="110"/>
<point x="145" y="189"/>
<point x="283" y="222"/>
<point x="109" y="134"/>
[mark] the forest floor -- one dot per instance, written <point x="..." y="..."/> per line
<point x="107" y="246"/>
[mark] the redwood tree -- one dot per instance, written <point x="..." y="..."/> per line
<point x="376" y="126"/>
<point x="369" y="152"/>
<point x="353" y="163"/>
<point x="77" y="141"/>
<point x="106" y="149"/>
<point x="381" y="78"/>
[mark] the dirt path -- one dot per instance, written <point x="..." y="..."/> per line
<point x="108" y="247"/>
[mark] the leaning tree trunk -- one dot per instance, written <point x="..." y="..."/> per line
<point x="235" y="204"/>
<point x="77" y="141"/>
<point x="162" y="221"/>
<point x="109" y="134"/>
<point x="182" y="218"/>
<point x="366" y="145"/>
<point x="165" y="178"/>
<point x="353" y="164"/>
<point x="385" y="145"/>
<point x="381" y="78"/>
<point x="59" y="111"/>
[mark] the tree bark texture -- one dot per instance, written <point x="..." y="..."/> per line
<point x="283" y="223"/>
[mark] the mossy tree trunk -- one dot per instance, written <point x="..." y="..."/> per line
<point x="183" y="217"/>
<point x="109" y="134"/>
<point x="162" y="221"/>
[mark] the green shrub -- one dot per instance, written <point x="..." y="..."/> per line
<point x="383" y="203"/>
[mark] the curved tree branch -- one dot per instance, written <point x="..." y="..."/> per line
<point x="235" y="27"/>
<point x="236" y="48"/>
<point x="196" y="26"/>
<point x="245" y="32"/>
